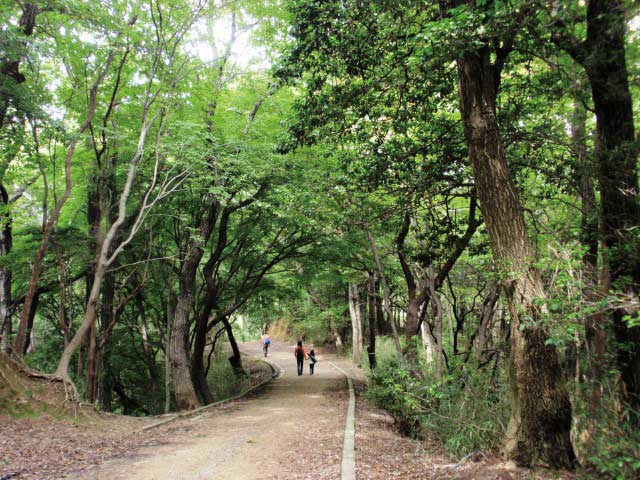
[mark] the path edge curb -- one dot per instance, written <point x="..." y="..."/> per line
<point x="348" y="466"/>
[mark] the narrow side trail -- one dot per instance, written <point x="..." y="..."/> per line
<point x="293" y="428"/>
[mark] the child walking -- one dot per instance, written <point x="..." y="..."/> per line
<point x="312" y="361"/>
<point x="300" y="355"/>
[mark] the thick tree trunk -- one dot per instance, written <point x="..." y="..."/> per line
<point x="186" y="398"/>
<point x="617" y="156"/>
<point x="540" y="423"/>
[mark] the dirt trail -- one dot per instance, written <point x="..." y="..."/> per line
<point x="292" y="429"/>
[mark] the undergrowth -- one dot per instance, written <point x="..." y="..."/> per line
<point x="465" y="411"/>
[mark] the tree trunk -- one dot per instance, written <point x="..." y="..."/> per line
<point x="356" y="323"/>
<point x="87" y="322"/>
<point x="198" y="374"/>
<point x="371" y="348"/>
<point x="540" y="423"/>
<point x="30" y="318"/>
<point x="93" y="362"/>
<point x="6" y="243"/>
<point x="167" y="363"/>
<point x="386" y="295"/>
<point x="438" y="316"/>
<point x="428" y="343"/>
<point x="487" y="313"/>
<point x="149" y="358"/>
<point x="594" y="323"/>
<point x="236" y="358"/>
<point x="617" y="156"/>
<point x="382" y="323"/>
<point x="186" y="398"/>
<point x="337" y="338"/>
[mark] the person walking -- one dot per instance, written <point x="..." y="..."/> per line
<point x="312" y="361"/>
<point x="266" y="341"/>
<point x="300" y="355"/>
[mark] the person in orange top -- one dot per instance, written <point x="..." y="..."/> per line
<point x="300" y="355"/>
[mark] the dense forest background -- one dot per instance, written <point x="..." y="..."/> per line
<point x="445" y="191"/>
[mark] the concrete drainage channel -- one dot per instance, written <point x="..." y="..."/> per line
<point x="276" y="370"/>
<point x="348" y="467"/>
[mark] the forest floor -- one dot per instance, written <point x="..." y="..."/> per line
<point x="292" y="428"/>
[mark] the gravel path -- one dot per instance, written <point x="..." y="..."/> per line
<point x="293" y="428"/>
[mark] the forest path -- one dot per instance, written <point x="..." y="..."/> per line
<point x="293" y="428"/>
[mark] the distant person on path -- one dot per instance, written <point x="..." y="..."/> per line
<point x="266" y="341"/>
<point x="300" y="355"/>
<point x="312" y="361"/>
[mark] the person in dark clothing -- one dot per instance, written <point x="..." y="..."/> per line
<point x="300" y="355"/>
<point x="312" y="361"/>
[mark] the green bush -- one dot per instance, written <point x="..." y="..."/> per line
<point x="615" y="454"/>
<point x="607" y="448"/>
<point x="465" y="416"/>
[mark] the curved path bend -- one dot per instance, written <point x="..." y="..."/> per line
<point x="292" y="428"/>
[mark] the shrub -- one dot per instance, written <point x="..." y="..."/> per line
<point x="465" y="416"/>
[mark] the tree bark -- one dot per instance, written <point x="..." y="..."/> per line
<point x="6" y="243"/>
<point x="487" y="313"/>
<point x="617" y="156"/>
<point x="602" y="55"/>
<point x="167" y="346"/>
<point x="186" y="398"/>
<point x="540" y="423"/>
<point x="198" y="373"/>
<point x="436" y="330"/>
<point x="149" y="357"/>
<point x="356" y="323"/>
<point x="371" y="348"/>
<point x="30" y="318"/>
<point x="236" y="357"/>
<point x="93" y="362"/>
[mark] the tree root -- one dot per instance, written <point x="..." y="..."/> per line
<point x="72" y="397"/>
